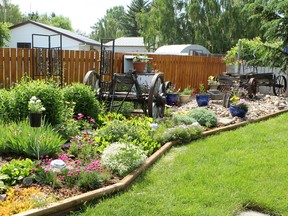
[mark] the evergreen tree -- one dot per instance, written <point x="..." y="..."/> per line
<point x="130" y="23"/>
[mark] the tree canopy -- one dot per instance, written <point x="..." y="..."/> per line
<point x="111" y="25"/>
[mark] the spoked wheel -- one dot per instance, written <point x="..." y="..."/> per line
<point x="157" y="97"/>
<point x="280" y="85"/>
<point x="251" y="87"/>
<point x="92" y="79"/>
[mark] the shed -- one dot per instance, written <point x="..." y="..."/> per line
<point x="21" y="37"/>
<point x="128" y="44"/>
<point x="183" y="49"/>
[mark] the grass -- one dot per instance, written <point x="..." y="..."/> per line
<point x="217" y="175"/>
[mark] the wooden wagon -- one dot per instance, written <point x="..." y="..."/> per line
<point x="145" y="89"/>
<point x="250" y="81"/>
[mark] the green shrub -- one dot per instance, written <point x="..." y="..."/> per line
<point x="183" y="119"/>
<point x="7" y="101"/>
<point x="204" y="117"/>
<point x="84" y="99"/>
<point x="122" y="158"/>
<point x="136" y="130"/>
<point x="17" y="170"/>
<point x="68" y="127"/>
<point x="3" y="138"/>
<point x="23" y="140"/>
<point x="181" y="134"/>
<point x="89" y="180"/>
<point x="19" y="96"/>
<point x="126" y="108"/>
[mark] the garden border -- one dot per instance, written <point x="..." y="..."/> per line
<point x="71" y="203"/>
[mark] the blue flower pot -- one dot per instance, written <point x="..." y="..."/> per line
<point x="236" y="111"/>
<point x="202" y="99"/>
<point x="172" y="99"/>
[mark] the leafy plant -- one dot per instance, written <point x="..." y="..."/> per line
<point x="47" y="91"/>
<point x="181" y="134"/>
<point x="17" y="170"/>
<point x="204" y="117"/>
<point x="187" y="91"/>
<point x="122" y="158"/>
<point x="202" y="89"/>
<point x="68" y="127"/>
<point x="84" y="99"/>
<point x="23" y="140"/>
<point x="136" y="130"/>
<point x="183" y="119"/>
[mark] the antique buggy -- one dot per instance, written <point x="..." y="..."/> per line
<point x="145" y="90"/>
<point x="250" y="81"/>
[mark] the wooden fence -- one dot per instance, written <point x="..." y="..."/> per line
<point x="182" y="70"/>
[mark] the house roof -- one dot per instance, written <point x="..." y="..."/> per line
<point x="183" y="49"/>
<point x="57" y="30"/>
<point x="128" y="42"/>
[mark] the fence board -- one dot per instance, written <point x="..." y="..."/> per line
<point x="184" y="71"/>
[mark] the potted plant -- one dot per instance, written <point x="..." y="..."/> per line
<point x="172" y="95"/>
<point x="36" y="108"/>
<point x="202" y="98"/>
<point x="185" y="95"/>
<point x="238" y="107"/>
<point x="139" y="63"/>
<point x="213" y="83"/>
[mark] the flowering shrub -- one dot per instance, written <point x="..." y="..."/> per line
<point x="83" y="146"/>
<point x="35" y="105"/>
<point x="85" y="122"/>
<point x="122" y="158"/>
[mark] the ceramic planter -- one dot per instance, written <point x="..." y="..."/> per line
<point x="172" y="99"/>
<point x="139" y="66"/>
<point x="236" y="111"/>
<point x="35" y="119"/>
<point x="202" y="99"/>
<point x="185" y="99"/>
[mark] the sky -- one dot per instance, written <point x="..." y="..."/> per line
<point x="83" y="14"/>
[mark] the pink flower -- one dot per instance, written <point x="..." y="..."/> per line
<point x="80" y="115"/>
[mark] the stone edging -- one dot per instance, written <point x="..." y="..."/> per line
<point x="71" y="203"/>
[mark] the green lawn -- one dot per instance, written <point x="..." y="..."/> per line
<point x="217" y="175"/>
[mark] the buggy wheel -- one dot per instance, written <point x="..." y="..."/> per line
<point x="280" y="85"/>
<point x="92" y="79"/>
<point x="251" y="88"/>
<point x="157" y="97"/>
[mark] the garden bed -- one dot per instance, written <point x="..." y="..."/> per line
<point x="92" y="168"/>
<point x="122" y="184"/>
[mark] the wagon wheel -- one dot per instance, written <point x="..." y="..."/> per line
<point x="157" y="96"/>
<point x="92" y="79"/>
<point x="280" y="85"/>
<point x="251" y="88"/>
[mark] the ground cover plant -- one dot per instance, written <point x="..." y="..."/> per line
<point x="217" y="175"/>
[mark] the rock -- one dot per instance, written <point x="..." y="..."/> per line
<point x="3" y="197"/>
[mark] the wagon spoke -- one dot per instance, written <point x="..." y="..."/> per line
<point x="280" y="85"/>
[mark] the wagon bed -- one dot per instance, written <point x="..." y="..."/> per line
<point x="250" y="81"/>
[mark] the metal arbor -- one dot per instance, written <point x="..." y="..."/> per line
<point x="47" y="57"/>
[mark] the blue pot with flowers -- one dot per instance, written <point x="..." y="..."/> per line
<point x="172" y="95"/>
<point x="238" y="107"/>
<point x="202" y="98"/>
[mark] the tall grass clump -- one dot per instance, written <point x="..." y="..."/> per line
<point x="23" y="140"/>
